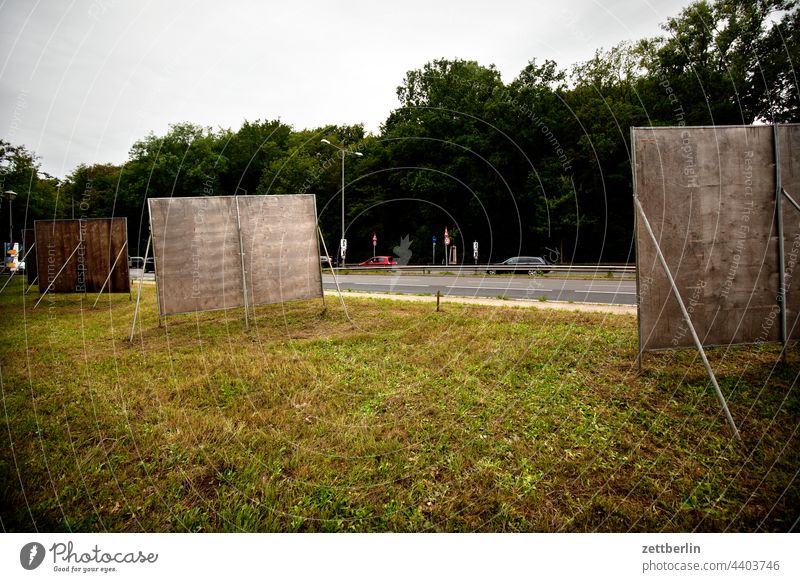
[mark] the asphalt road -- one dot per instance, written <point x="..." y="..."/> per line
<point x="613" y="291"/>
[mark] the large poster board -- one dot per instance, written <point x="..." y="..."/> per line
<point x="709" y="194"/>
<point x="201" y="243"/>
<point x="77" y="255"/>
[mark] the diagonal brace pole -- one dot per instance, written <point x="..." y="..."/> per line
<point x="139" y="292"/>
<point x="333" y="272"/>
<point x="50" y="284"/>
<point x="688" y="319"/>
<point x="22" y="260"/>
<point x="111" y="272"/>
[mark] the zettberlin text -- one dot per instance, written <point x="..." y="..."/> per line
<point x="671" y="549"/>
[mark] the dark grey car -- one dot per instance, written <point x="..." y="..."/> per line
<point x="530" y="265"/>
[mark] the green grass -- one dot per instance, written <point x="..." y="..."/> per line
<point x="471" y="419"/>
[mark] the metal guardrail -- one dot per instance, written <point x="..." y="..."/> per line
<point x="483" y="268"/>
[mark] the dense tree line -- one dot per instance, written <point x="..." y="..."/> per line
<point x="539" y="165"/>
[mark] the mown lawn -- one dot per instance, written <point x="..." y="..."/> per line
<point x="471" y="419"/>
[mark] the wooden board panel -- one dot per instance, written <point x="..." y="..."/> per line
<point x="101" y="241"/>
<point x="56" y="240"/>
<point x="709" y="195"/>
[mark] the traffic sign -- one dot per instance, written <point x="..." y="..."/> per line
<point x="434" y="239"/>
<point x="446" y="237"/>
<point x="374" y="239"/>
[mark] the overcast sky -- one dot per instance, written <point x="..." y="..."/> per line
<point x="81" y="81"/>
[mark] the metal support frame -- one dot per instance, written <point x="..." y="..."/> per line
<point x="687" y="318"/>
<point x="22" y="260"/>
<point x="792" y="200"/>
<point x="139" y="292"/>
<point x="779" y="224"/>
<point x="35" y="280"/>
<point x="241" y="256"/>
<point x="333" y="272"/>
<point x="319" y="236"/>
<point x="111" y="272"/>
<point x="50" y="284"/>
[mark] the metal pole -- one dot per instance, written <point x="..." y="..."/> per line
<point x="779" y="221"/>
<point x="319" y="252"/>
<point x="241" y="256"/>
<point x="110" y="272"/>
<point x="792" y="200"/>
<point x="139" y="292"/>
<point x="687" y="319"/>
<point x="335" y="280"/>
<point x="10" y="219"/>
<point x="433" y="262"/>
<point x="50" y="284"/>
<point x="342" y="251"/>
<point x="640" y="345"/>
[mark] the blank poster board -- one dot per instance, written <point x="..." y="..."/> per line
<point x="196" y="244"/>
<point x="99" y="241"/>
<point x="709" y="196"/>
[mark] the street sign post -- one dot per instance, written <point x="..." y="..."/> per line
<point x="374" y="243"/>
<point x="343" y="247"/>
<point x="433" y="260"/>
<point x="446" y="245"/>
<point x="475" y="251"/>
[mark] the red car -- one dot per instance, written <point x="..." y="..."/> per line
<point x="382" y="261"/>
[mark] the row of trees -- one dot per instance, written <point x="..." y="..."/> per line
<point x="540" y="165"/>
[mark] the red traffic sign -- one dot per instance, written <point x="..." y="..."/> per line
<point x="374" y="239"/>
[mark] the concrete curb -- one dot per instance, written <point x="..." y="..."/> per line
<point x="487" y="301"/>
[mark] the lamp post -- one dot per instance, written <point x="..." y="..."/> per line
<point x="10" y="195"/>
<point x="344" y="152"/>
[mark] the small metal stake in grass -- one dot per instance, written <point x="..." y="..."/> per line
<point x="438" y="296"/>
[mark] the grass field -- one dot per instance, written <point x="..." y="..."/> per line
<point x="471" y="419"/>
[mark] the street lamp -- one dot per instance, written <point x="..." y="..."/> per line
<point x="10" y="195"/>
<point x="344" y="152"/>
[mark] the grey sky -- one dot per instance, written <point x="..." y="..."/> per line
<point x="80" y="82"/>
